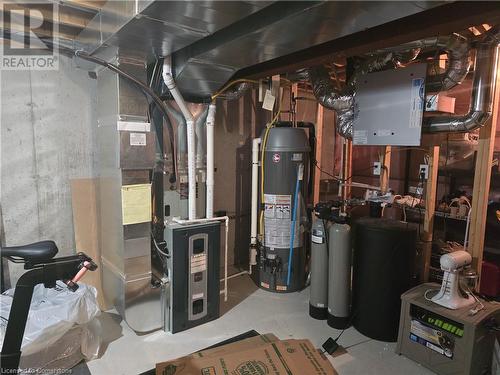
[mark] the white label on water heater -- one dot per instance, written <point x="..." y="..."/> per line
<point x="277" y="221"/>
<point x="137" y="139"/>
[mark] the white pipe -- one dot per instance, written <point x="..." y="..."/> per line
<point x="255" y="189"/>
<point x="170" y="83"/>
<point x="467" y="225"/>
<point x="361" y="185"/>
<point x="210" y="160"/>
<point x="200" y="123"/>
<point x="220" y="218"/>
<point x="255" y="201"/>
<point x="236" y="275"/>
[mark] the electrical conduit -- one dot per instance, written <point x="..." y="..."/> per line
<point x="300" y="176"/>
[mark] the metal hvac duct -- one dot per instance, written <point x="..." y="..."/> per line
<point x="455" y="46"/>
<point x="483" y="89"/>
<point x="210" y="41"/>
<point x="457" y="49"/>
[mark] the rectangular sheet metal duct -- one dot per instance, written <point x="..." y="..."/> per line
<point x="209" y="41"/>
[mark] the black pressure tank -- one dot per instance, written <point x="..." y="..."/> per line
<point x="383" y="268"/>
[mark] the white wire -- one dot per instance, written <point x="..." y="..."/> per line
<point x="475" y="310"/>
<point x="158" y="249"/>
<point x="427" y="291"/>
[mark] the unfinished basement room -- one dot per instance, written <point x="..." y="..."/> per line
<point x="253" y="187"/>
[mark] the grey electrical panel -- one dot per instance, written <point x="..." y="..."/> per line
<point x="193" y="274"/>
<point x="389" y="106"/>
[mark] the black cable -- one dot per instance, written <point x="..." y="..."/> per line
<point x="142" y="86"/>
<point x="145" y="89"/>
<point x="315" y="162"/>
<point x="349" y="323"/>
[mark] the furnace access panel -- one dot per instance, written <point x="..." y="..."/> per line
<point x="389" y="106"/>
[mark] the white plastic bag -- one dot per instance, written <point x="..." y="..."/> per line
<point x="53" y="312"/>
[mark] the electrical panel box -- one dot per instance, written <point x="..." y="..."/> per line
<point x="389" y="106"/>
<point x="193" y="273"/>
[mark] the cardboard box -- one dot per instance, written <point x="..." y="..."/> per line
<point x="289" y="357"/>
<point x="238" y="346"/>
<point x="440" y="103"/>
<point x="84" y="193"/>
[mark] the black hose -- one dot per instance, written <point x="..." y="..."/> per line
<point x="145" y="89"/>
<point x="142" y="86"/>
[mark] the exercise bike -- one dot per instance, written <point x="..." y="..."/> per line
<point x="44" y="269"/>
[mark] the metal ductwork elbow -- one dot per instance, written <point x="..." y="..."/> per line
<point x="483" y="91"/>
<point x="457" y="48"/>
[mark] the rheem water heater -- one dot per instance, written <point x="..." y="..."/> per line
<point x="284" y="175"/>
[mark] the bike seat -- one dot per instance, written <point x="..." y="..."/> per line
<point x="37" y="251"/>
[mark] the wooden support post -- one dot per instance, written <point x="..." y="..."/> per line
<point x="481" y="189"/>
<point x="319" y="143"/>
<point x="347" y="168"/>
<point x="430" y="208"/>
<point x="385" y="173"/>
<point x="294" y="108"/>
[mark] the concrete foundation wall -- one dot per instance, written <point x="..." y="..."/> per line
<point x="47" y="137"/>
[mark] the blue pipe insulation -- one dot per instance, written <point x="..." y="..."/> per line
<point x="292" y="230"/>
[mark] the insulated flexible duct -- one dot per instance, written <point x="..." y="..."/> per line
<point x="483" y="89"/>
<point x="455" y="46"/>
<point x="236" y="92"/>
<point x="343" y="102"/>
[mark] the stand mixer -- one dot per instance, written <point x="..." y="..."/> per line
<point x="450" y="295"/>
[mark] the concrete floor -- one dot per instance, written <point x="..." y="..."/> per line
<point x="285" y="315"/>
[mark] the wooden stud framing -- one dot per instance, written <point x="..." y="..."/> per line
<point x="481" y="189"/>
<point x="385" y="173"/>
<point x="430" y="208"/>
<point x="347" y="168"/>
<point x="319" y="143"/>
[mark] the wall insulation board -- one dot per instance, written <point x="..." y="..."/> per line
<point x="389" y="107"/>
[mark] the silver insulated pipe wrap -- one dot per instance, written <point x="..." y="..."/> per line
<point x="330" y="97"/>
<point x="483" y="90"/>
<point x="236" y="91"/>
<point x="343" y="101"/>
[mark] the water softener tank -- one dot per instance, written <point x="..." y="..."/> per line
<point x="339" y="275"/>
<point x="282" y="255"/>
<point x="383" y="266"/>
<point x="318" y="299"/>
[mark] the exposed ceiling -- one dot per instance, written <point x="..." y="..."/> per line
<point x="209" y="41"/>
<point x="212" y="41"/>
<point x="69" y="19"/>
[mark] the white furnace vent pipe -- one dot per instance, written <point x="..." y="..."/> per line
<point x="210" y="160"/>
<point x="170" y="83"/>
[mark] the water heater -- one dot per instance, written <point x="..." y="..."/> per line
<point x="283" y="175"/>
